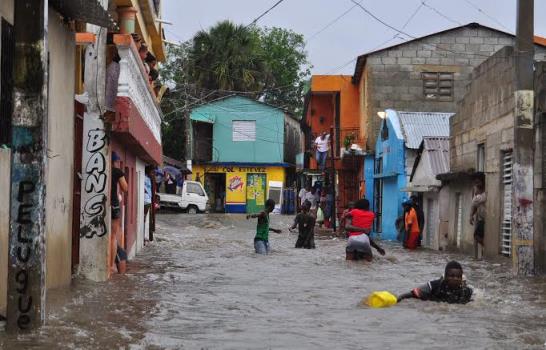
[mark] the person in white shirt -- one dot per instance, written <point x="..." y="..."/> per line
<point x="321" y="144"/>
<point x="302" y="195"/>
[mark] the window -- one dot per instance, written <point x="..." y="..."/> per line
<point x="244" y="130"/>
<point x="195" y="189"/>
<point x="384" y="131"/>
<point x="480" y="158"/>
<point x="6" y="84"/>
<point x="437" y="86"/>
<point x="506" y="223"/>
<point x="458" y="218"/>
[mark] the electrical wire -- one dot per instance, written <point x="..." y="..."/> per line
<point x="265" y="13"/>
<point x="441" y="14"/>
<point x="486" y="14"/>
<point x="331" y="23"/>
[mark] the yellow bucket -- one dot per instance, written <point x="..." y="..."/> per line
<point x="381" y="299"/>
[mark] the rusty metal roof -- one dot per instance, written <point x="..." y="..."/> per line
<point x="89" y="11"/>
<point x="416" y="125"/>
<point x="437" y="149"/>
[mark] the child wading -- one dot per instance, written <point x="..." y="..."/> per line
<point x="359" y="224"/>
<point x="306" y="227"/>
<point x="261" y="240"/>
<point x="451" y="288"/>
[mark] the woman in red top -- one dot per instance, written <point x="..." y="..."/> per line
<point x="411" y="225"/>
<point x="359" y="225"/>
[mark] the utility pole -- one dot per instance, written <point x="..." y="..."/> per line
<point x="26" y="268"/>
<point x="95" y="228"/>
<point x="524" y="137"/>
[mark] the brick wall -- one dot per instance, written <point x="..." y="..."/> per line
<point x="395" y="75"/>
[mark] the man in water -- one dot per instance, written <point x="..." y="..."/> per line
<point x="306" y="227"/>
<point x="261" y="240"/>
<point x="451" y="288"/>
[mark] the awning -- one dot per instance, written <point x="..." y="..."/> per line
<point x="417" y="188"/>
<point x="203" y="118"/>
<point x="89" y="11"/>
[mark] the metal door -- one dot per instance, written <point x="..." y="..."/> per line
<point x="506" y="224"/>
<point x="6" y="76"/>
<point x="255" y="192"/>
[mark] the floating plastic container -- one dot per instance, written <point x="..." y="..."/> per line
<point x="381" y="299"/>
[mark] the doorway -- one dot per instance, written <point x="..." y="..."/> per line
<point x="255" y="193"/>
<point x="215" y="186"/>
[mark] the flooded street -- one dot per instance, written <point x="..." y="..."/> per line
<point x="200" y="286"/>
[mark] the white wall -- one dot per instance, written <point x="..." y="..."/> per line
<point x="6" y="10"/>
<point x="139" y="244"/>
<point x="5" y="157"/>
<point x="60" y="166"/>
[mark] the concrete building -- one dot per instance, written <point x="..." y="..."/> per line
<point x="332" y="106"/>
<point x="244" y="152"/>
<point x="429" y="73"/>
<point x="37" y="123"/>
<point x="432" y="160"/>
<point x="482" y="140"/>
<point x="396" y="150"/>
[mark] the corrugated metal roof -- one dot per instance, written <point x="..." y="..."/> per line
<point x="437" y="149"/>
<point x="416" y="125"/>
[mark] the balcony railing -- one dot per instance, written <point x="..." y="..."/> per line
<point x="352" y="135"/>
<point x="134" y="84"/>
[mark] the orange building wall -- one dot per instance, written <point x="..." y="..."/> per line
<point x="349" y="101"/>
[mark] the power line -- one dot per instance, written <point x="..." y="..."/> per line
<point x="331" y="23"/>
<point x="265" y="13"/>
<point x="441" y="14"/>
<point x="414" y="37"/>
<point x="486" y="14"/>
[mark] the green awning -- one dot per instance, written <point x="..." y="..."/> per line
<point x="203" y="118"/>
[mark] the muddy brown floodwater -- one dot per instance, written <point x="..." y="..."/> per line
<point x="200" y="286"/>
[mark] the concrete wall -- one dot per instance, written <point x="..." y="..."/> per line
<point x="6" y="10"/>
<point x="540" y="169"/>
<point x="5" y="157"/>
<point x="394" y="75"/>
<point x="137" y="247"/>
<point x="485" y="116"/>
<point x="60" y="153"/>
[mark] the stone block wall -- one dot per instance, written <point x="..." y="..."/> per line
<point x="394" y="76"/>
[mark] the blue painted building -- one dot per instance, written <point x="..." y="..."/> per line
<point x="244" y="152"/>
<point x="387" y="171"/>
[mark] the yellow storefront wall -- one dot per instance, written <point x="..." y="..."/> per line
<point x="236" y="178"/>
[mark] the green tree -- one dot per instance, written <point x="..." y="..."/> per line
<point x="288" y="67"/>
<point x="227" y="57"/>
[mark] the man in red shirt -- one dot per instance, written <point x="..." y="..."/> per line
<point x="359" y="225"/>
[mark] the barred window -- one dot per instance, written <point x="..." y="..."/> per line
<point x="437" y="86"/>
<point x="244" y="130"/>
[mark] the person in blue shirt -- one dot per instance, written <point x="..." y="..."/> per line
<point x="147" y="193"/>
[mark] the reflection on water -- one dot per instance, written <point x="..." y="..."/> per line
<point x="200" y="285"/>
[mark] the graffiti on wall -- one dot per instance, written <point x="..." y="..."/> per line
<point x="95" y="186"/>
<point x="24" y="226"/>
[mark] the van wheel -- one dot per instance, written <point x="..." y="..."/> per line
<point x="192" y="209"/>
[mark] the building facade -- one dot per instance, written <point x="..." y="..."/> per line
<point x="244" y="152"/>
<point x="395" y="153"/>
<point x="332" y="106"/>
<point x="432" y="160"/>
<point x="481" y="146"/>
<point x="425" y="74"/>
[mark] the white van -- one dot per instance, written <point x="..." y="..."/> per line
<point x="193" y="199"/>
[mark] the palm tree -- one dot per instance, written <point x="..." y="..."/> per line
<point x="227" y="57"/>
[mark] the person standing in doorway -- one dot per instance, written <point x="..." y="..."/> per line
<point x="322" y="144"/>
<point x="119" y="184"/>
<point x="477" y="217"/>
<point x="148" y="195"/>
<point x="411" y="225"/>
<point x="420" y="217"/>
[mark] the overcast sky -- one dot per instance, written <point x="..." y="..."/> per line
<point x="356" y="33"/>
